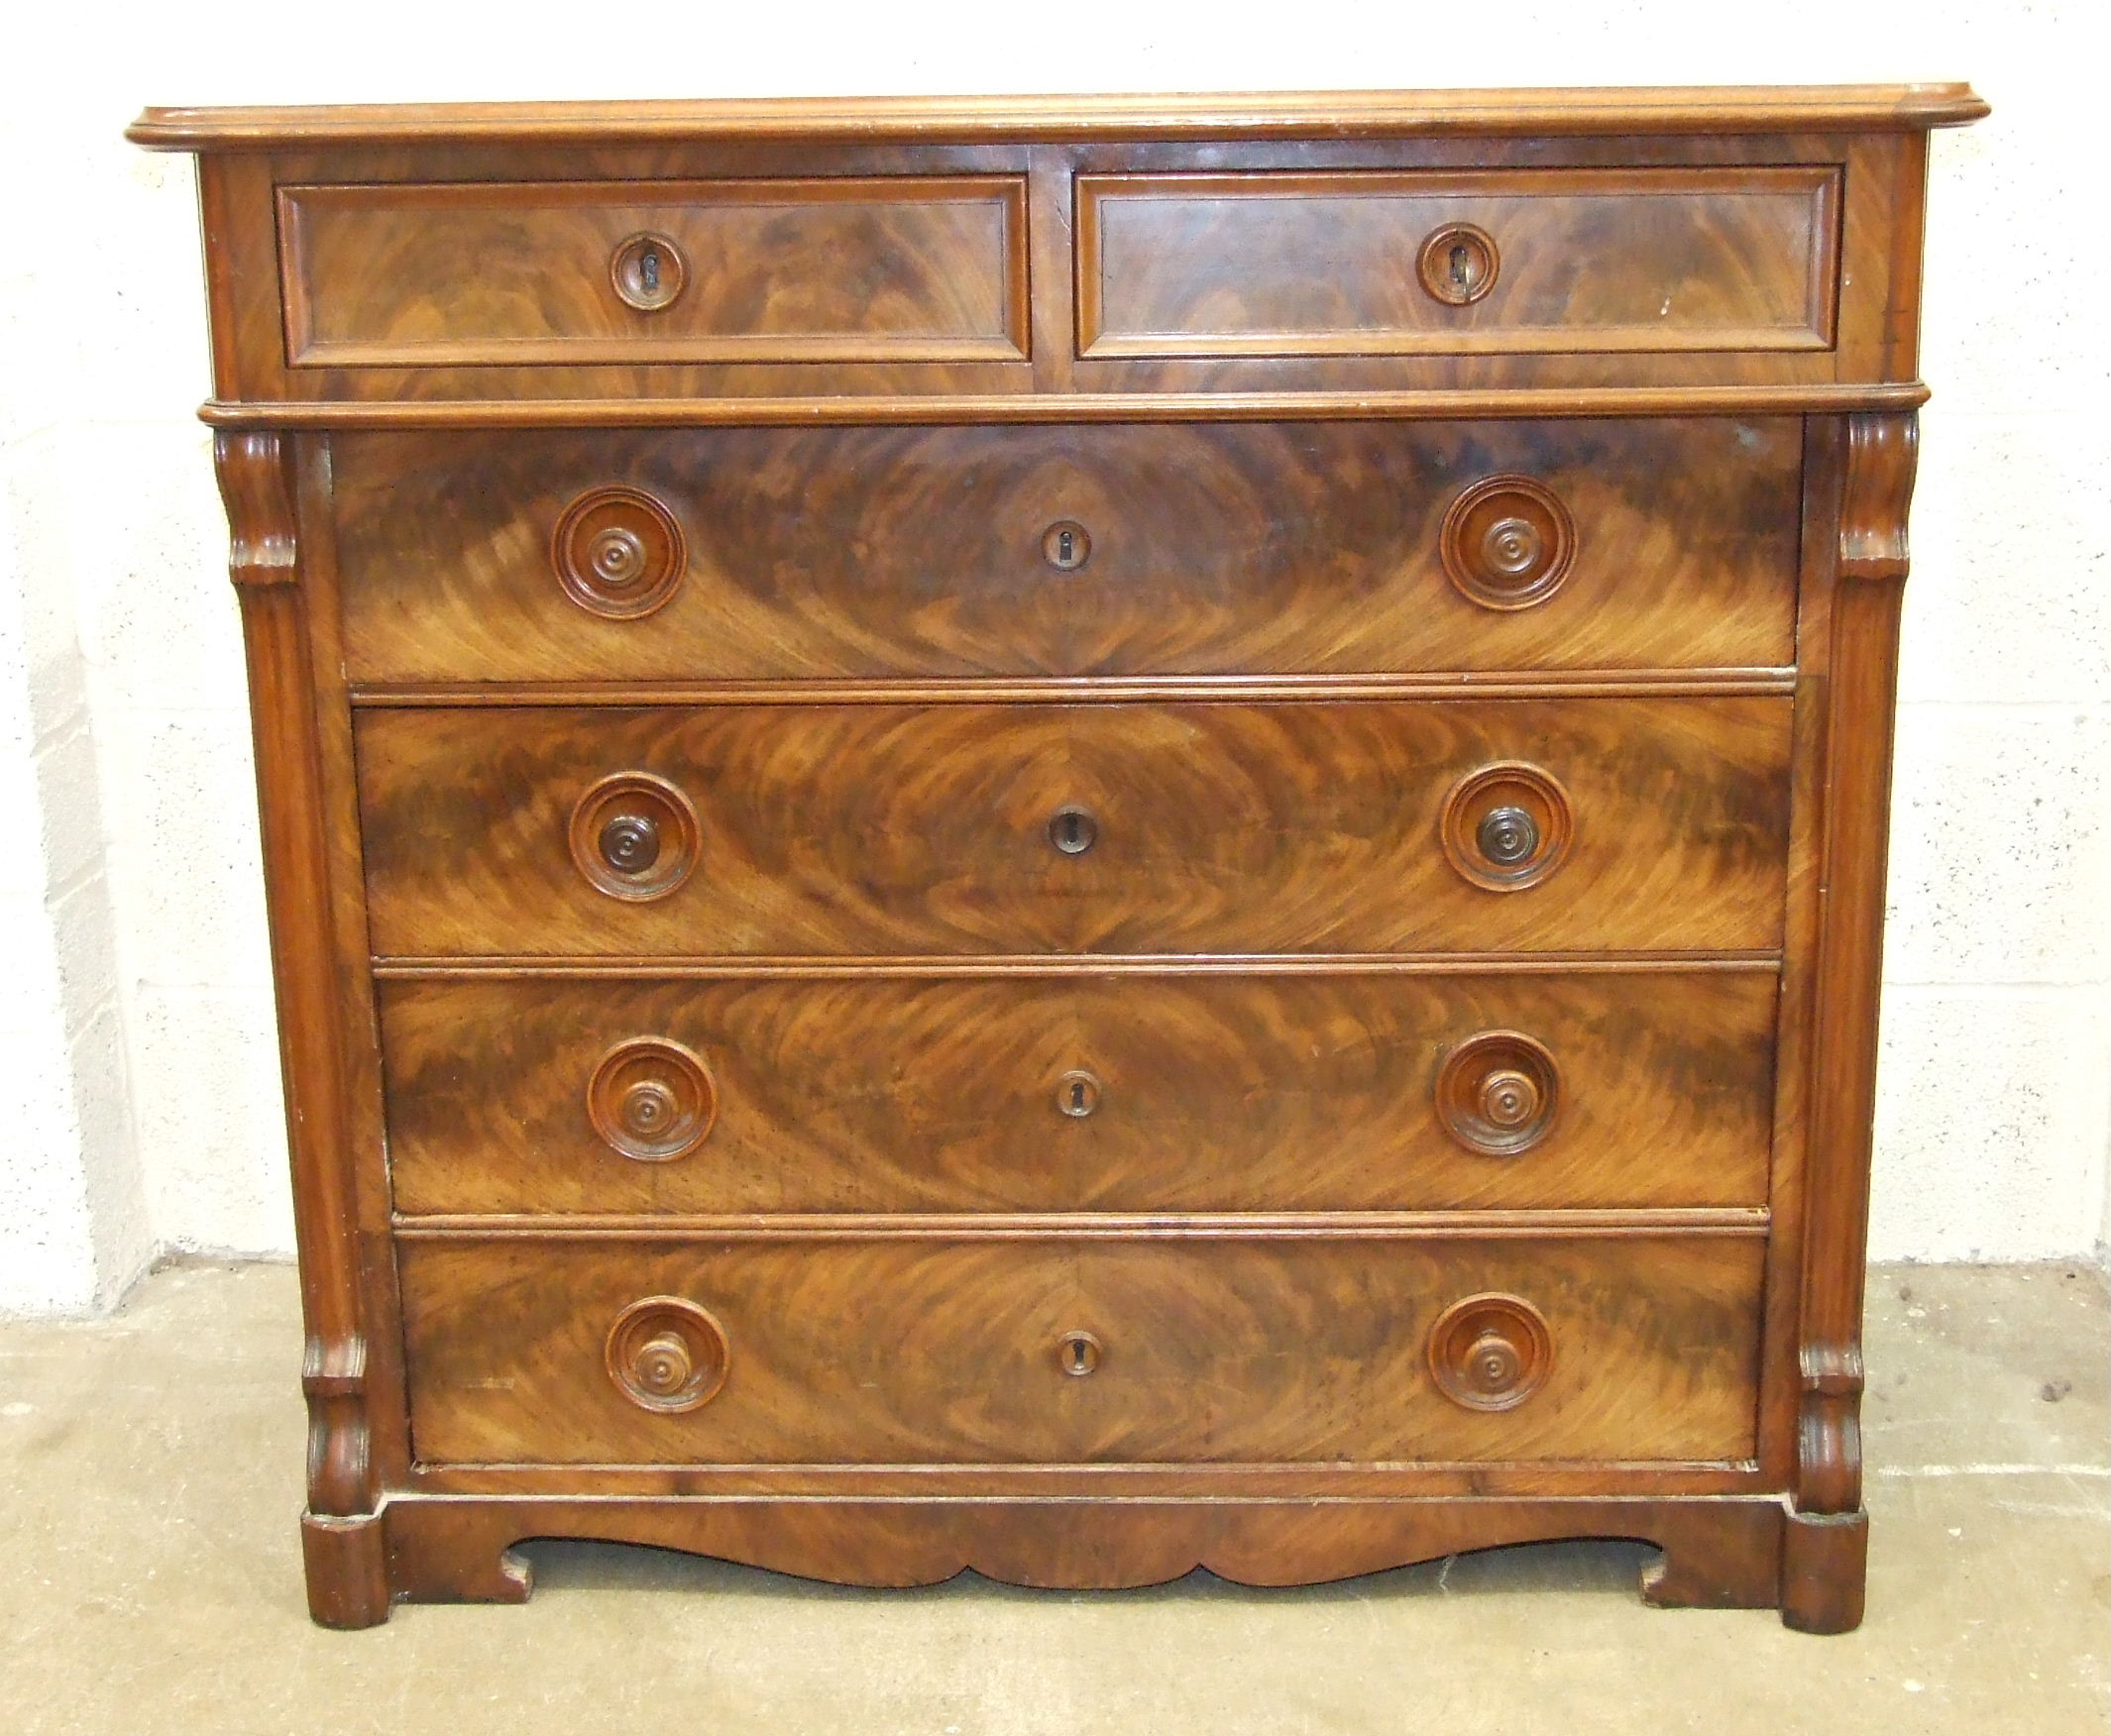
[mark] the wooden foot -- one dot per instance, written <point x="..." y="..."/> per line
<point x="1824" y="1564"/>
<point x="347" y="1570"/>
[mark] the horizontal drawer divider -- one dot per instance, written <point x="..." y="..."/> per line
<point x="1025" y="406"/>
<point x="398" y="969"/>
<point x="1071" y="690"/>
<point x="1739" y="1221"/>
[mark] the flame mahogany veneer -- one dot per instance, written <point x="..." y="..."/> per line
<point x="1075" y="837"/>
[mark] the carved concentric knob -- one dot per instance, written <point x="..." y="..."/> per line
<point x="1490" y="1352"/>
<point x="634" y="836"/>
<point x="1497" y="1093"/>
<point x="667" y="1355"/>
<point x="1507" y="826"/>
<point x="618" y="553"/>
<point x="1507" y="542"/>
<point x="652" y="1100"/>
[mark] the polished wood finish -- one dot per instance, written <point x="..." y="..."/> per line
<point x="876" y="552"/>
<point x="912" y="1351"/>
<point x="1214" y="1094"/>
<point x="1076" y="837"/>
<point x="765" y="270"/>
<point x="1540" y="260"/>
<point x="1219" y="828"/>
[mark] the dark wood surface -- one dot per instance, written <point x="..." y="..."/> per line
<point x="849" y="1351"/>
<point x="1221" y="1093"/>
<point x="1220" y="829"/>
<point x="871" y="552"/>
<point x="1077" y="837"/>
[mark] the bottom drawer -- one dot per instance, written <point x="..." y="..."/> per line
<point x="896" y="1349"/>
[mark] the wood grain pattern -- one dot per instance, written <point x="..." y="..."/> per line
<point x="947" y="1351"/>
<point x="1222" y="828"/>
<point x="1585" y="260"/>
<point x="1076" y="1200"/>
<point x="1718" y="1553"/>
<point x="895" y="552"/>
<point x="1217" y="1094"/>
<point x="791" y="271"/>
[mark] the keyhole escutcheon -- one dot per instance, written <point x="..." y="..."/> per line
<point x="1065" y="546"/>
<point x="1073" y="830"/>
<point x="1458" y="264"/>
<point x="1077" y="1094"/>
<point x="1077" y="1353"/>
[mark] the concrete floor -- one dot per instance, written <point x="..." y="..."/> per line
<point x="149" y="1474"/>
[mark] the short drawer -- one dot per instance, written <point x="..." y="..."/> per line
<point x="914" y="1351"/>
<point x="900" y="269"/>
<point x="1321" y="548"/>
<point x="867" y="829"/>
<point x="1137" y="1093"/>
<point x="1381" y="263"/>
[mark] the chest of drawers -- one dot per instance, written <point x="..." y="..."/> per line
<point x="1075" y="837"/>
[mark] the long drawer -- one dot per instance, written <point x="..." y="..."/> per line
<point x="866" y="551"/>
<point x="1488" y="825"/>
<point x="1351" y="1092"/>
<point x="889" y="1351"/>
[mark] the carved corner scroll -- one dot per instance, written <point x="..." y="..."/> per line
<point x="1861" y="686"/>
<point x="255" y="472"/>
<point x="257" y="480"/>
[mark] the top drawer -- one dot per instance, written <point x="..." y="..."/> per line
<point x="905" y="268"/>
<point x="1379" y="263"/>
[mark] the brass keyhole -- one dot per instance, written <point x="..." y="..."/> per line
<point x="1462" y="274"/>
<point x="1072" y="831"/>
<point x="648" y="270"/>
<point x="1077" y="1094"/>
<point x="1077" y="1353"/>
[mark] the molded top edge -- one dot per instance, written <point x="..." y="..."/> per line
<point x="956" y="119"/>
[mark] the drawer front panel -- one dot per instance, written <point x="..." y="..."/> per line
<point x="1368" y="264"/>
<point x="846" y="552"/>
<point x="911" y="1350"/>
<point x="894" y="270"/>
<point x="969" y="828"/>
<point x="1133" y="1094"/>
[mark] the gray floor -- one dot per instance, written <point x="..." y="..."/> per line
<point x="149" y="1473"/>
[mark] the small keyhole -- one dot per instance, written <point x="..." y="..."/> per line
<point x="1072" y="831"/>
<point x="1077" y="1353"/>
<point x="648" y="270"/>
<point x="1077" y="1356"/>
<point x="1077" y="1094"/>
<point x="1462" y="267"/>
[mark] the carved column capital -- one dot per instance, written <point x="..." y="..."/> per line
<point x="1883" y="452"/>
<point x="255" y="472"/>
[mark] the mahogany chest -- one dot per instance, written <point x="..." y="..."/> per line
<point x="1075" y="837"/>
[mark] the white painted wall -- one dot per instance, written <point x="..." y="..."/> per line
<point x="136" y="1061"/>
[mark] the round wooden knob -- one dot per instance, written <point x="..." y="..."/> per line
<point x="649" y="271"/>
<point x="652" y="1100"/>
<point x="1077" y="1353"/>
<point x="1507" y="826"/>
<point x="1458" y="264"/>
<point x="1507" y="542"/>
<point x="618" y="553"/>
<point x="667" y="1355"/>
<point x="634" y="836"/>
<point x="1490" y="1352"/>
<point x="1497" y="1093"/>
